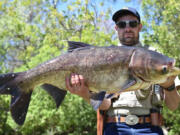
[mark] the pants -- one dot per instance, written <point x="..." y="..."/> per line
<point x="124" y="129"/>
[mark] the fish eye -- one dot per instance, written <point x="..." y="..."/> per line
<point x="164" y="70"/>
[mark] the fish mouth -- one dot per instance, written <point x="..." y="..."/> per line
<point x="173" y="63"/>
<point x="174" y="71"/>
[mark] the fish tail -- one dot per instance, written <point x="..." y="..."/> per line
<point x="20" y="99"/>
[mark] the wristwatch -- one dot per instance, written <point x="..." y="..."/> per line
<point x="170" y="88"/>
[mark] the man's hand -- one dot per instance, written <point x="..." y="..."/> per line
<point x="172" y="98"/>
<point x="76" y="85"/>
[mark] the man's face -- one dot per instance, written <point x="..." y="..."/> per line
<point x="128" y="35"/>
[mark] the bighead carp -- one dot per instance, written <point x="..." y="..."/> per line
<point x="112" y="69"/>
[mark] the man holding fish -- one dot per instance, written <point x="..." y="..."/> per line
<point x="133" y="112"/>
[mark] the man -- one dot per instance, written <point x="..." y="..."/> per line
<point x="135" y="112"/>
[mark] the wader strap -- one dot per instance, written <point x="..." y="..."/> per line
<point x="100" y="122"/>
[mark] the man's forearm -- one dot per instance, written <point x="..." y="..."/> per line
<point x="172" y="99"/>
<point x="105" y="104"/>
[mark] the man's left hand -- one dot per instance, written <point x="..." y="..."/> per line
<point x="169" y="82"/>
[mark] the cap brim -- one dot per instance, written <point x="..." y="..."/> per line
<point x="123" y="12"/>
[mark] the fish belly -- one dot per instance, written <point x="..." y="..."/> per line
<point x="111" y="80"/>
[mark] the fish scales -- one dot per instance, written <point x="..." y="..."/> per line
<point x="100" y="66"/>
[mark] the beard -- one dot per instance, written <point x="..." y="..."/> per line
<point x="130" y="39"/>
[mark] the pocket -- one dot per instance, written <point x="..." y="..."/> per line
<point x="157" y="96"/>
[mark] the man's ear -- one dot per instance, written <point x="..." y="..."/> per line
<point x="116" y="27"/>
<point x="140" y="27"/>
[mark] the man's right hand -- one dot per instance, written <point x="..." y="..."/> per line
<point x="76" y="85"/>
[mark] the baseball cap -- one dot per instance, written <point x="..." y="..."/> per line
<point x="124" y="11"/>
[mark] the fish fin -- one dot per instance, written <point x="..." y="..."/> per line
<point x="109" y="95"/>
<point x="130" y="82"/>
<point x="96" y="99"/>
<point x="57" y="93"/>
<point x="19" y="99"/>
<point x="19" y="105"/>
<point x="80" y="45"/>
<point x="112" y="95"/>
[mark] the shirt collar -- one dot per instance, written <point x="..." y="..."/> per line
<point x="136" y="45"/>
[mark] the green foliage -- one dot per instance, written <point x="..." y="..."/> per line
<point x="172" y="120"/>
<point x="164" y="34"/>
<point x="164" y="23"/>
<point x="73" y="117"/>
<point x="32" y="32"/>
<point x="4" y="108"/>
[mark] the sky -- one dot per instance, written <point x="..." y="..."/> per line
<point x="115" y="6"/>
<point x="108" y="4"/>
<point x="120" y="4"/>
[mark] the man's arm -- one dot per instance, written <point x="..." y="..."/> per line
<point x="76" y="85"/>
<point x="172" y="98"/>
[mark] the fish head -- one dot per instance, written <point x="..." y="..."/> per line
<point x="153" y="67"/>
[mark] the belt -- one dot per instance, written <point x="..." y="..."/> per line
<point x="129" y="119"/>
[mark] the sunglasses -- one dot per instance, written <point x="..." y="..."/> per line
<point x="123" y="24"/>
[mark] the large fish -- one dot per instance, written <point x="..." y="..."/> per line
<point x="110" y="70"/>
